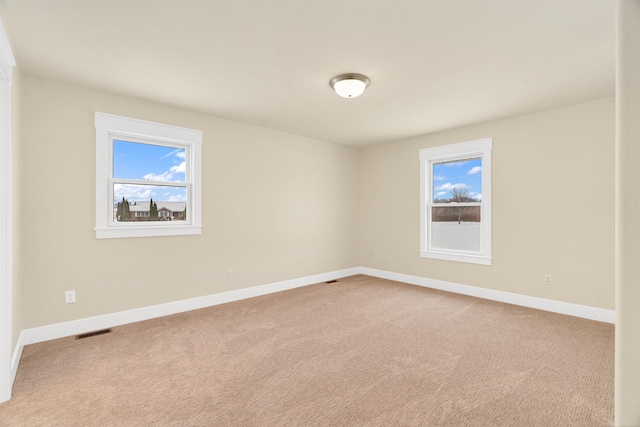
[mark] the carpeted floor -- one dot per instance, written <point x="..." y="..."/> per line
<point x="359" y="352"/>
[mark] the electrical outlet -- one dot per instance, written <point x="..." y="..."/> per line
<point x="69" y="297"/>
<point x="548" y="280"/>
<point x="389" y="259"/>
<point x="229" y="273"/>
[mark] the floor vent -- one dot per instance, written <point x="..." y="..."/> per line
<point x="93" y="334"/>
<point x="332" y="281"/>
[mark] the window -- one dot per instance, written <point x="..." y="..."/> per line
<point x="455" y="202"/>
<point x="147" y="178"/>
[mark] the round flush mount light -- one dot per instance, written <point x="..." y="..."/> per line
<point x="349" y="85"/>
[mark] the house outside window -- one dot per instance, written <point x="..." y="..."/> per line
<point x="455" y="205"/>
<point x="147" y="178"/>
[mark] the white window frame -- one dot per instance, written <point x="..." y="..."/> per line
<point x="110" y="127"/>
<point x="480" y="148"/>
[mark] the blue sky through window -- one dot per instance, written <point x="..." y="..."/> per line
<point x="147" y="162"/>
<point x="465" y="174"/>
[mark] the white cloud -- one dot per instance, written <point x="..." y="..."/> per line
<point x="168" y="175"/>
<point x="439" y="178"/>
<point x="142" y="193"/>
<point x="448" y="186"/>
<point x="165" y="177"/>
<point x="181" y="168"/>
<point x="133" y="192"/>
<point x="441" y="193"/>
<point x="478" y="197"/>
<point x="474" y="170"/>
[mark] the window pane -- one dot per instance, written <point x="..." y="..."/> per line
<point x="133" y="160"/>
<point x="456" y="227"/>
<point x="457" y="181"/>
<point x="133" y="203"/>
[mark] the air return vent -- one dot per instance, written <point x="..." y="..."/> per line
<point x="93" y="334"/>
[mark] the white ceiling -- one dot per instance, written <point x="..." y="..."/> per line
<point x="433" y="64"/>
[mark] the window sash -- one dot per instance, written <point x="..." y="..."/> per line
<point x="163" y="142"/>
<point x="114" y="223"/>
<point x="180" y="184"/>
<point x="431" y="248"/>
<point x="454" y="204"/>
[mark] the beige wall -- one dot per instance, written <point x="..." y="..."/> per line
<point x="16" y="165"/>
<point x="278" y="206"/>
<point x="553" y="206"/>
<point x="275" y="206"/>
<point x="627" y="392"/>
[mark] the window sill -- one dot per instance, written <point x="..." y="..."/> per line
<point x="449" y="256"/>
<point x="147" y="231"/>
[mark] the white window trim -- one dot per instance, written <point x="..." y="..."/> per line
<point x="110" y="127"/>
<point x="429" y="156"/>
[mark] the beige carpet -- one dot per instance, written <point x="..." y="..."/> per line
<point x="360" y="352"/>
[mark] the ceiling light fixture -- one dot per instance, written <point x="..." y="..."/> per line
<point x="349" y="85"/>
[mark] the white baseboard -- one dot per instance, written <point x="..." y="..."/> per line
<point x="17" y="354"/>
<point x="65" y="329"/>
<point x="586" y="312"/>
<point x="74" y="327"/>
